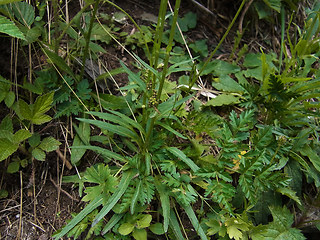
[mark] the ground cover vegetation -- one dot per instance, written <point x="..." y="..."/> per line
<point x="186" y="145"/>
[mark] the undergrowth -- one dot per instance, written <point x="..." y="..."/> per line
<point x="165" y="149"/>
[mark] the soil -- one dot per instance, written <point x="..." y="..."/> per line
<point x="22" y="214"/>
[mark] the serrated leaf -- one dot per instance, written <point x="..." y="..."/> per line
<point x="223" y="99"/>
<point x="21" y="135"/>
<point x="312" y="155"/>
<point x="289" y="193"/>
<point x="6" y="124"/>
<point x="42" y="104"/>
<point x="7" y="148"/>
<point x="23" y="110"/>
<point x="24" y="12"/>
<point x="39" y="154"/>
<point x="49" y="144"/>
<point x="279" y="229"/>
<point x="125" y="228"/>
<point x="8" y="27"/>
<point x="236" y="227"/>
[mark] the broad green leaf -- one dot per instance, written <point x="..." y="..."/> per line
<point x="3" y="193"/>
<point x="24" y="12"/>
<point x="125" y="228"/>
<point x="222" y="100"/>
<point x="157" y="228"/>
<point x="39" y="154"/>
<point x="122" y="187"/>
<point x="223" y="68"/>
<point x="23" y="110"/>
<point x="21" y="135"/>
<point x="195" y="222"/>
<point x="9" y="99"/>
<point x="7" y="148"/>
<point x="227" y="84"/>
<point x="40" y="119"/>
<point x="13" y="167"/>
<point x="178" y="153"/>
<point x="41" y="106"/>
<point x="77" y="153"/>
<point x="88" y="209"/>
<point x="49" y="144"/>
<point x="139" y="234"/>
<point x="6" y="124"/>
<point x="144" y="221"/>
<point x="8" y="27"/>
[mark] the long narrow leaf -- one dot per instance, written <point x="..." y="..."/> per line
<point x="88" y="209"/>
<point x="178" y="153"/>
<point x="165" y="204"/>
<point x="112" y="118"/>
<point x="105" y="152"/>
<point x="170" y="129"/>
<point x="135" y="198"/>
<point x="130" y="121"/>
<point x="113" y="221"/>
<point x="135" y="77"/>
<point x="175" y="227"/>
<point x="122" y="131"/>
<point x="195" y="222"/>
<point x="123" y="185"/>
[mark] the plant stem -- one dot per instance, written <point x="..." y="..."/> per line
<point x="222" y="39"/>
